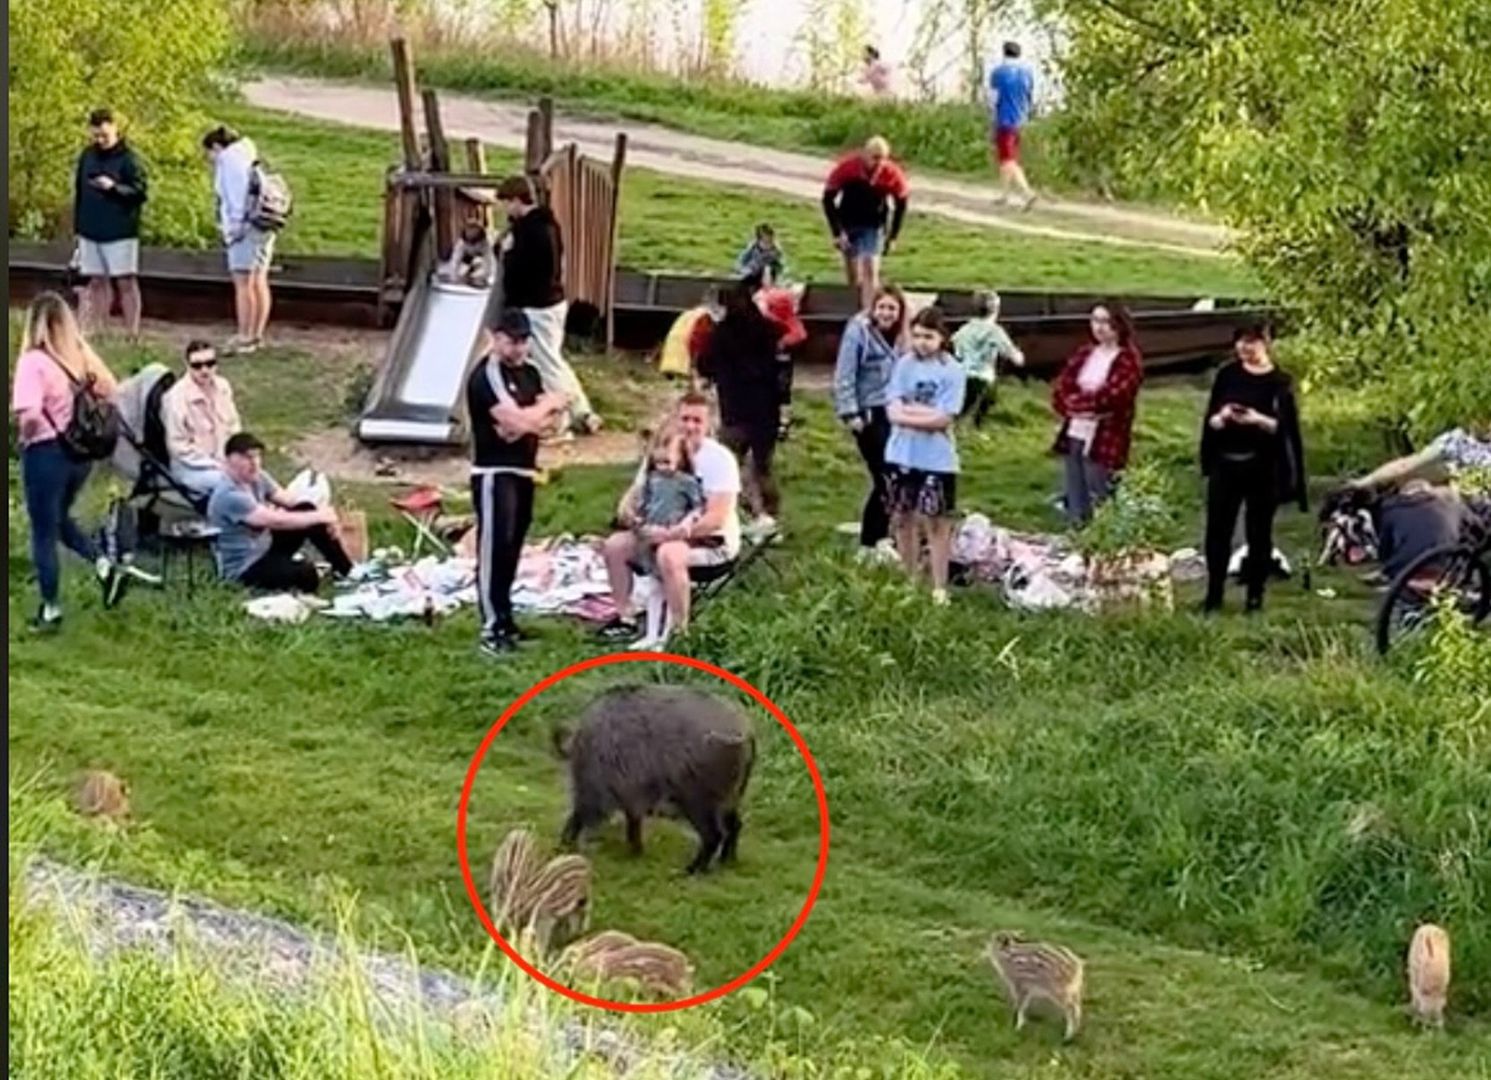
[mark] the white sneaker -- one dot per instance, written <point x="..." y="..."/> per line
<point x="939" y="597"/>
<point x="761" y="526"/>
<point x="362" y="571"/>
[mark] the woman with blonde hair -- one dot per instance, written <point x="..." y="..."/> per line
<point x="54" y="361"/>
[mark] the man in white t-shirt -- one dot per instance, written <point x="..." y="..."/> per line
<point x="711" y="540"/>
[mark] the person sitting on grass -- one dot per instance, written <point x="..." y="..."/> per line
<point x="261" y="529"/>
<point x="200" y="416"/>
<point x="979" y="345"/>
<point x="712" y="539"/>
<point x="922" y="404"/>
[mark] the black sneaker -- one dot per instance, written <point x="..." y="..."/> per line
<point x="498" y="645"/>
<point x="619" y="629"/>
<point x="40" y="624"/>
<point x="113" y="583"/>
<point x="516" y="632"/>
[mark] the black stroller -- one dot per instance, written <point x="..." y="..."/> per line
<point x="156" y="500"/>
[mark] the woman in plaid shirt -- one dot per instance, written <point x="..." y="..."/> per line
<point x="1094" y="396"/>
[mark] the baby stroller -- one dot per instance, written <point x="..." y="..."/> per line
<point x="141" y="458"/>
<point x="155" y="500"/>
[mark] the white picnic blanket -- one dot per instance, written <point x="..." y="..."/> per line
<point x="559" y="576"/>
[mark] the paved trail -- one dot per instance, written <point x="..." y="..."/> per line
<point x="663" y="150"/>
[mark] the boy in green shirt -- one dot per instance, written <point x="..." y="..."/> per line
<point x="978" y="345"/>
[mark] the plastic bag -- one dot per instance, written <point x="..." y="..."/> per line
<point x="310" y="486"/>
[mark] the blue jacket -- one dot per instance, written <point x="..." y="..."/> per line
<point x="862" y="373"/>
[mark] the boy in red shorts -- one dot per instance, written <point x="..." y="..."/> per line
<point x="1011" y="86"/>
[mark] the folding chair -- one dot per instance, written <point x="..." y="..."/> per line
<point x="420" y="508"/>
<point x="710" y="581"/>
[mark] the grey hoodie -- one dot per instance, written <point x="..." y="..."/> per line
<point x="863" y="369"/>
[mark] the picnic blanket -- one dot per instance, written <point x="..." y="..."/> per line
<point x="1038" y="571"/>
<point x="563" y="575"/>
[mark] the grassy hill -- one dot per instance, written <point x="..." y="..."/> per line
<point x="1236" y="822"/>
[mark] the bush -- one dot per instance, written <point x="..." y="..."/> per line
<point x="151" y="63"/>
<point x="1349" y="146"/>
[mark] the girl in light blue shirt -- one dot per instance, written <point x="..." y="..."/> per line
<point x="924" y="399"/>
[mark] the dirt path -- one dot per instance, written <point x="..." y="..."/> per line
<point x="663" y="150"/>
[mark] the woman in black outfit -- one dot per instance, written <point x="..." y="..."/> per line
<point x="740" y="358"/>
<point x="1252" y="455"/>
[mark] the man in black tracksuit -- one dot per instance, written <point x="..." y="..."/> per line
<point x="533" y="282"/>
<point x="508" y="410"/>
<point x="108" y="193"/>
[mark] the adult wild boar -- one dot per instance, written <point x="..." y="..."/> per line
<point x="646" y="750"/>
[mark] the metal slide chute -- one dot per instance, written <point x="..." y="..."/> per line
<point x="417" y="397"/>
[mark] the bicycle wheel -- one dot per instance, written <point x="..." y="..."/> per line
<point x="1455" y="569"/>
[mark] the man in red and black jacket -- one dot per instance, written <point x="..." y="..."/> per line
<point x="854" y="201"/>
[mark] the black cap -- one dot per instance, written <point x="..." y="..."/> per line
<point x="514" y="323"/>
<point x="242" y="443"/>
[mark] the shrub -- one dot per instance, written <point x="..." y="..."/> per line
<point x="150" y="63"/>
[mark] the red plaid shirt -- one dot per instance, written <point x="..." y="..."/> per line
<point x="1113" y="402"/>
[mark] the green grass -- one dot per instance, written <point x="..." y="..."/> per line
<point x="687" y="226"/>
<point x="187" y="1014"/>
<point x="949" y="136"/>
<point x="1237" y="823"/>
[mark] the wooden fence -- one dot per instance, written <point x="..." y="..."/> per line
<point x="422" y="192"/>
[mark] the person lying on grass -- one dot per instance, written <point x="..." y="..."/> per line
<point x="921" y="457"/>
<point x="712" y="539"/>
<point x="261" y="528"/>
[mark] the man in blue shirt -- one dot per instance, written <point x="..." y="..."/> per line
<point x="1011" y="86"/>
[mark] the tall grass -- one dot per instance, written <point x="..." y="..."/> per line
<point x="87" y="1000"/>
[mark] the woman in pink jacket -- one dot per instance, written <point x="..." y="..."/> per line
<point x="54" y="357"/>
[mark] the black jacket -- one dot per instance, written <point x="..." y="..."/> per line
<point x="533" y="269"/>
<point x="1287" y="444"/>
<point x="741" y="360"/>
<point x="107" y="216"/>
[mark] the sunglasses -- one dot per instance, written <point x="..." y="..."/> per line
<point x="201" y="365"/>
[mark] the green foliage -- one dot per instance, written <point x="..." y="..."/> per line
<point x="149" y="62"/>
<point x="1457" y="656"/>
<point x="1351" y="146"/>
<point x="1139" y="517"/>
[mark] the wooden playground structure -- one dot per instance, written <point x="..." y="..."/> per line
<point x="423" y="192"/>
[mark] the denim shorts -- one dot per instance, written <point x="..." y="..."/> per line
<point x="864" y="242"/>
<point x="111" y="259"/>
<point x="251" y="252"/>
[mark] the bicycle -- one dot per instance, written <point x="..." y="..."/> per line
<point x="1460" y="571"/>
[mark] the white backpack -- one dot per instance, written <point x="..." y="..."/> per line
<point x="270" y="201"/>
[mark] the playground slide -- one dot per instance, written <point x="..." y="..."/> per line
<point x="418" y="395"/>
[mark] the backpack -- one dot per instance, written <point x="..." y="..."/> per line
<point x="270" y="201"/>
<point x="94" y="428"/>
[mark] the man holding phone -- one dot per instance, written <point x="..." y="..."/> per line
<point x="108" y="195"/>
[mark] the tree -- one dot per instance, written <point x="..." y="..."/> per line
<point x="1349" y="144"/>
<point x="151" y="63"/>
